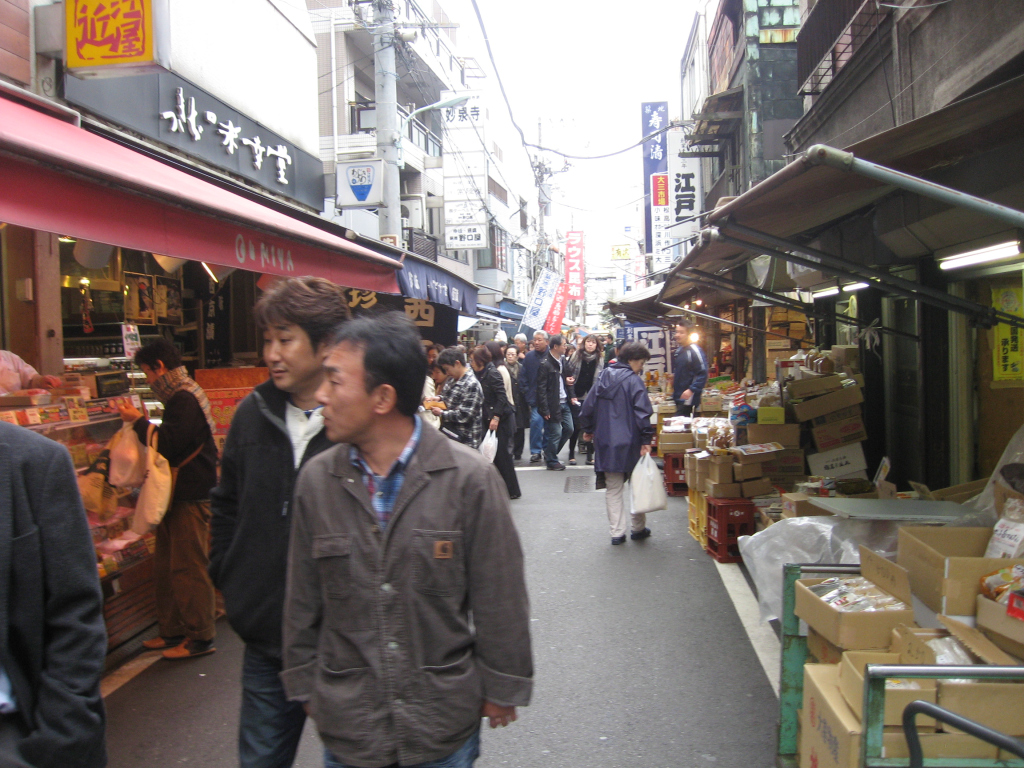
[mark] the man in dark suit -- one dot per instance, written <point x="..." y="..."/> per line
<point x="54" y="642"/>
<point x="689" y="371"/>
<point x="554" y="392"/>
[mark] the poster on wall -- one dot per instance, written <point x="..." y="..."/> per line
<point x="167" y="301"/>
<point x="139" y="305"/>
<point x="1007" y="353"/>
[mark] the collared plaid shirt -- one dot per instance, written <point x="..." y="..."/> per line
<point x="464" y="409"/>
<point x="384" y="490"/>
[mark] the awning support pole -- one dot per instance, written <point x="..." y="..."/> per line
<point x="819" y="154"/>
<point x="987" y="316"/>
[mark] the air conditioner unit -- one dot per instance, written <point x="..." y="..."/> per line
<point x="414" y="208"/>
<point x="406" y="224"/>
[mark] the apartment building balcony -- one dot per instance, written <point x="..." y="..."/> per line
<point x="832" y="33"/>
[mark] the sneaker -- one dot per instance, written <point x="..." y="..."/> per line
<point x="160" y="643"/>
<point x="189" y="649"/>
<point x="638" y="535"/>
<point x="559" y="467"/>
<point x="616" y="540"/>
<point x="534" y="458"/>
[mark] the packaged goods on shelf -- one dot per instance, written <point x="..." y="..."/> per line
<point x="998" y="585"/>
<point x="898" y="692"/>
<point x="1008" y="534"/>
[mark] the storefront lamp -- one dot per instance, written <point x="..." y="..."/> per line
<point x="210" y="272"/>
<point x="825" y="293"/>
<point x="694" y="337"/>
<point x="855" y="287"/>
<point x="999" y="252"/>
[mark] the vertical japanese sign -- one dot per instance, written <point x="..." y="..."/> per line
<point x="655" y="116"/>
<point x="655" y="338"/>
<point x="574" y="269"/>
<point x="684" y="188"/>
<point x="556" y="314"/>
<point x="661" y="212"/>
<point x="543" y="296"/>
<point x="105" y="35"/>
<point x="1007" y="353"/>
<point x="638" y="268"/>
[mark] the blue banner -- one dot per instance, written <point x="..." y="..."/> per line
<point x="419" y="280"/>
<point x="655" y="117"/>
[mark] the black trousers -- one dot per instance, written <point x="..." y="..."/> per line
<point x="503" y="458"/>
<point x="519" y="441"/>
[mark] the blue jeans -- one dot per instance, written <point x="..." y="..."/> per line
<point x="536" y="432"/>
<point x="463" y="757"/>
<point x="270" y="726"/>
<point x="556" y="434"/>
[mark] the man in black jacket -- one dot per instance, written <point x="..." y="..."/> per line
<point x="54" y="643"/>
<point x="274" y="432"/>
<point x="554" y="392"/>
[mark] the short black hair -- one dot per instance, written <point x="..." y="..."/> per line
<point x="450" y="356"/>
<point x="633" y="350"/>
<point x="159" y="350"/>
<point x="556" y="341"/>
<point x="392" y="354"/>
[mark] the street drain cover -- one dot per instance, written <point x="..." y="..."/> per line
<point x="579" y="484"/>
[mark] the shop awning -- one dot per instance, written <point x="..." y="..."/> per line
<point x="423" y="280"/>
<point x="824" y="185"/>
<point x="60" y="178"/>
<point x="718" y="118"/>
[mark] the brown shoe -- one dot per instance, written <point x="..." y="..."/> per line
<point x="160" y="643"/>
<point x="190" y="649"/>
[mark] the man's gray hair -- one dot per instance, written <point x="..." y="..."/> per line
<point x="520" y="337"/>
<point x="541" y="334"/>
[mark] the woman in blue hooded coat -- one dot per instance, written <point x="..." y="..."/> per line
<point x="617" y="417"/>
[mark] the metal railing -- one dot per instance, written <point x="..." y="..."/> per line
<point x="423" y="244"/>
<point x="365" y="121"/>
<point x="833" y="31"/>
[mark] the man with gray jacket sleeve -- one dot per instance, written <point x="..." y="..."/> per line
<point x="406" y="613"/>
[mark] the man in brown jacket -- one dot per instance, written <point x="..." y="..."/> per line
<point x="406" y="614"/>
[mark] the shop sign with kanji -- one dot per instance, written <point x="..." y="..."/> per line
<point x="105" y="38"/>
<point x="1007" y="351"/>
<point x="574" y="268"/>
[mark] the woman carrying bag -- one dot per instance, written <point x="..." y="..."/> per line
<point x="498" y="415"/>
<point x="616" y="417"/>
<point x="586" y="364"/>
<point x="514" y="368"/>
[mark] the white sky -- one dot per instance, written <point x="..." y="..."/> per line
<point x="584" y="69"/>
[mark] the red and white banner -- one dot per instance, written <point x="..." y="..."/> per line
<point x="557" y="313"/>
<point x="575" y="277"/>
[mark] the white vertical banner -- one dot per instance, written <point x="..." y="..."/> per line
<point x="684" y="187"/>
<point x="543" y="296"/>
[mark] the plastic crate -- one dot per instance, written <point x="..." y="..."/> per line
<point x="693" y="520"/>
<point x="676" y="489"/>
<point x="730" y="512"/>
<point x="723" y="552"/>
<point x="675" y="467"/>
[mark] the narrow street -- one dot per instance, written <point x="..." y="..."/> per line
<point x="641" y="659"/>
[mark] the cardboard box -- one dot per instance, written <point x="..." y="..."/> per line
<point x="720" y="470"/>
<point x="666" y="407"/>
<point x="830" y="733"/>
<point x="800" y="505"/>
<point x="741" y="472"/>
<point x="833" y="401"/>
<point x="846" y="355"/>
<point x="674" y="442"/>
<point x="721" y="490"/>
<point x="862" y="630"/>
<point x="850" y="412"/>
<point x="851" y="684"/>
<point x="786" y="464"/>
<point x="838" y="433"/>
<point x="1006" y="632"/>
<point x="822" y="650"/>
<point x="771" y="414"/>
<point x="839" y="462"/>
<point x="760" y="487"/>
<point x="814" y="387"/>
<point x="946" y="564"/>
<point x="787" y="435"/>
<point x="755" y="453"/>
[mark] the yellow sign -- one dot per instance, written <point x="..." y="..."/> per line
<point x="1007" y="352"/>
<point x="622" y="252"/>
<point x="109" y="34"/>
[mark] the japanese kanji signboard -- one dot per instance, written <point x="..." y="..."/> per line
<point x="110" y="37"/>
<point x="556" y="314"/>
<point x="575" y="278"/>
<point x="685" y="191"/>
<point x="1007" y="352"/>
<point x="655" y="117"/>
<point x="544" y="291"/>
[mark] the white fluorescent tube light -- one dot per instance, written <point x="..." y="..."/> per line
<point x="825" y="293"/>
<point x="855" y="287"/>
<point x="209" y="272"/>
<point x="982" y="256"/>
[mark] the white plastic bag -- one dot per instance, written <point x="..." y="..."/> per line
<point x="489" y="445"/>
<point x="648" y="487"/>
<point x="127" y="459"/>
<point x="155" y="494"/>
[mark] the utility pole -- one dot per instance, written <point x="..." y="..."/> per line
<point x="540" y="174"/>
<point x="386" y="87"/>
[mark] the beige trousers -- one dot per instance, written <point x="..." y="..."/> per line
<point x="619" y="504"/>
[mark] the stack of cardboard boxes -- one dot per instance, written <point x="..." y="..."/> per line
<point x="830" y="405"/>
<point x="739" y="472"/>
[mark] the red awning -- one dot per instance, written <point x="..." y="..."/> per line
<point x="59" y="178"/>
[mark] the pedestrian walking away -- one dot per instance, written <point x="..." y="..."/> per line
<point x="616" y="416"/>
<point x="185" y="602"/>
<point x="51" y="611"/>
<point x="554" y="393"/>
<point x="498" y="416"/>
<point x="462" y="418"/>
<point x="400" y="536"/>
<point x="584" y="366"/>
<point x="274" y="432"/>
<point x="528" y="383"/>
<point x="690" y="371"/>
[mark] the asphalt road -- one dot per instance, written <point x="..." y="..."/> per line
<point x="640" y="660"/>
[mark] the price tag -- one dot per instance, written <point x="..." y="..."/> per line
<point x="77" y="412"/>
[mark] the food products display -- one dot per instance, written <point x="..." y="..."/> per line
<point x="1008" y="534"/>
<point x="998" y="586"/>
<point x="855" y="594"/>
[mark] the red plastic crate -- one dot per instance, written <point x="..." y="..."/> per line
<point x="675" y="467"/>
<point x="724" y="552"/>
<point x="676" y="489"/>
<point x="730" y="512"/>
<point x="728" y="533"/>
